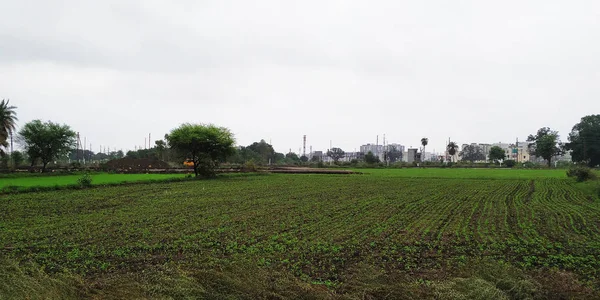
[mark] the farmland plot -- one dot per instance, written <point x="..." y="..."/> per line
<point x="328" y="231"/>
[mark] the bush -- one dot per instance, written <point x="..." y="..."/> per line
<point x="581" y="173"/>
<point x="85" y="180"/>
<point x="249" y="166"/>
<point x="510" y="163"/>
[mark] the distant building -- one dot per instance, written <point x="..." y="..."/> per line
<point x="411" y="155"/>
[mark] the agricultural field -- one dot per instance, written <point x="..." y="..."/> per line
<point x="397" y="234"/>
<point x="97" y="179"/>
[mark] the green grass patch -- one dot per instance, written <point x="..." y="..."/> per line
<point x="97" y="179"/>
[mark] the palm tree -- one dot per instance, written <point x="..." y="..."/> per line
<point x="8" y="123"/>
<point x="424" y="142"/>
<point x="452" y="148"/>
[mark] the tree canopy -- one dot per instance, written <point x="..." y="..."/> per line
<point x="472" y="153"/>
<point x="46" y="141"/>
<point x="336" y="154"/>
<point x="584" y="141"/>
<point x="393" y="154"/>
<point x="497" y="154"/>
<point x="8" y="123"/>
<point x="544" y="144"/>
<point x="452" y="148"/>
<point x="371" y="158"/>
<point x="205" y="145"/>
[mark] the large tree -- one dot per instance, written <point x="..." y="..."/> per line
<point x="393" y="154"/>
<point x="205" y="145"/>
<point x="371" y="158"/>
<point x="584" y="141"/>
<point x="544" y="144"/>
<point x="472" y="153"/>
<point x="452" y="148"/>
<point x="46" y="141"/>
<point x="8" y="123"/>
<point x="336" y="154"/>
<point x="264" y="150"/>
<point x="497" y="154"/>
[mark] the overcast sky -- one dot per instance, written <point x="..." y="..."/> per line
<point x="346" y="71"/>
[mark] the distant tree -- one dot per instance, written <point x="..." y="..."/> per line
<point x="160" y="147"/>
<point x="371" y="158"/>
<point x="132" y="154"/>
<point x="544" y="144"/>
<point x="17" y="158"/>
<point x="303" y="158"/>
<point x="205" y="145"/>
<point x="497" y="154"/>
<point x="393" y="154"/>
<point x="424" y="142"/>
<point x="264" y="150"/>
<point x="315" y="159"/>
<point x="336" y="154"/>
<point x="584" y="141"/>
<point x="8" y="123"/>
<point x="292" y="158"/>
<point x="46" y="141"/>
<point x="452" y="148"/>
<point x="472" y="153"/>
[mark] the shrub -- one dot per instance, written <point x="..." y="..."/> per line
<point x="581" y="173"/>
<point x="85" y="180"/>
<point x="250" y="166"/>
<point x="510" y="163"/>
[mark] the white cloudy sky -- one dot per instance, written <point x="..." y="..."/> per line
<point x="476" y="71"/>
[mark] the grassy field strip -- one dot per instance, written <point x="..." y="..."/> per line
<point x="97" y="179"/>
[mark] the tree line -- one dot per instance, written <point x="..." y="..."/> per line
<point x="206" y="146"/>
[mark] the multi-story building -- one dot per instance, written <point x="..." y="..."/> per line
<point x="518" y="153"/>
<point x="412" y="155"/>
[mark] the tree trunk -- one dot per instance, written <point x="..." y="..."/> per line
<point x="549" y="162"/>
<point x="196" y="168"/>
<point x="44" y="167"/>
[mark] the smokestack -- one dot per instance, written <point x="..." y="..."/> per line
<point x="304" y="146"/>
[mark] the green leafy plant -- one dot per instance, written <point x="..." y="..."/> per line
<point x="85" y="180"/>
<point x="581" y="173"/>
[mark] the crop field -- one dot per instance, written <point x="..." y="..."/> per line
<point x="98" y="179"/>
<point x="471" y="234"/>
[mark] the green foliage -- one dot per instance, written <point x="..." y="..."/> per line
<point x="472" y="153"/>
<point x="85" y="180"/>
<point x="386" y="233"/>
<point x="510" y="163"/>
<point x="8" y="123"/>
<point x="17" y="158"/>
<point x="4" y="160"/>
<point x="497" y="154"/>
<point x="370" y="158"/>
<point x="393" y="154"/>
<point x="452" y="148"/>
<point x="205" y="145"/>
<point x="46" y="141"/>
<point x="584" y="141"/>
<point x="336" y="153"/>
<point x="544" y="144"/>
<point x="581" y="174"/>
<point x="250" y="166"/>
<point x="29" y="281"/>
